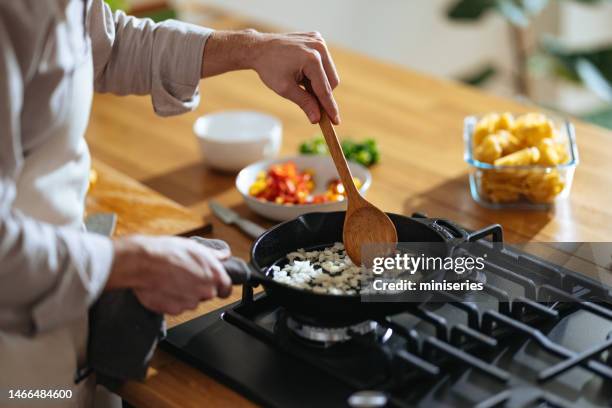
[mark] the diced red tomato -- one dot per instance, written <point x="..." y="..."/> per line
<point x="285" y="184"/>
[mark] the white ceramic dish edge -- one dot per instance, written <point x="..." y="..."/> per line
<point x="230" y="140"/>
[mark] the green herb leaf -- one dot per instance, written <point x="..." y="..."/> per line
<point x="479" y="76"/>
<point x="592" y="67"/>
<point x="469" y="9"/>
<point x="365" y="152"/>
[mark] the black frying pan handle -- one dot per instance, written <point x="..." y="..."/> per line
<point x="237" y="269"/>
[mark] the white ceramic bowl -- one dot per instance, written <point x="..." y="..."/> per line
<point x="231" y="140"/>
<point x="324" y="172"/>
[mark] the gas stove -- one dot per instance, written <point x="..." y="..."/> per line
<point x="537" y="335"/>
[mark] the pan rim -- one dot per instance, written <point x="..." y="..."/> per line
<point x="264" y="271"/>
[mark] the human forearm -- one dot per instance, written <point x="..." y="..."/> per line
<point x="228" y="51"/>
<point x="168" y="59"/>
<point x="282" y="62"/>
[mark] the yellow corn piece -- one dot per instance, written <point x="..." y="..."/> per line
<point x="505" y="122"/>
<point x="533" y="127"/>
<point x="508" y="175"/>
<point x="508" y="142"/>
<point x="488" y="150"/>
<point x="523" y="157"/>
<point x="562" y="152"/>
<point x="544" y="187"/>
<point x="498" y="196"/>
<point x="485" y="126"/>
<point x="526" y="140"/>
<point x="549" y="155"/>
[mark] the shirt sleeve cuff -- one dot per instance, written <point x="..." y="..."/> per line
<point x="90" y="257"/>
<point x="177" y="61"/>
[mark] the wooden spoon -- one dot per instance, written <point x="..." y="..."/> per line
<point x="364" y="223"/>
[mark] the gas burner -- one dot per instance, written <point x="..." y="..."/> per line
<point x="368" y="399"/>
<point x="473" y="276"/>
<point x="496" y="347"/>
<point x="330" y="335"/>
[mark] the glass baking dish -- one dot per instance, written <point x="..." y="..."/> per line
<point x="535" y="187"/>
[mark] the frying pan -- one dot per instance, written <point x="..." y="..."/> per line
<point x="320" y="230"/>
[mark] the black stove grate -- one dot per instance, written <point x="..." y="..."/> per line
<point x="457" y="351"/>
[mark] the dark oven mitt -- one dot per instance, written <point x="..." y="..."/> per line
<point x="123" y="336"/>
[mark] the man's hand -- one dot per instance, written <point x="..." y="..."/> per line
<point x="169" y="274"/>
<point x="282" y="62"/>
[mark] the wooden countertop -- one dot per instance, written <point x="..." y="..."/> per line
<point x="170" y="383"/>
<point x="417" y="121"/>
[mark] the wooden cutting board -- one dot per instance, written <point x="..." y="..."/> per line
<point x="139" y="209"/>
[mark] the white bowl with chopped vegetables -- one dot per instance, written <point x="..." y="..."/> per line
<point x="284" y="188"/>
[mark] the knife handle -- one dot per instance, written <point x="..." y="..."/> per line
<point x="250" y="228"/>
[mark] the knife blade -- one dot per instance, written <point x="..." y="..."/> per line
<point x="101" y="223"/>
<point x="230" y="217"/>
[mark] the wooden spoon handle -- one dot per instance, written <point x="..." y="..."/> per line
<point x="333" y="144"/>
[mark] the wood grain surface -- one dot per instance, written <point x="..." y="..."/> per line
<point x="139" y="209"/>
<point x="417" y="121"/>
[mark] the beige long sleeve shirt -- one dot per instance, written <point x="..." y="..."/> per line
<point x="53" y="54"/>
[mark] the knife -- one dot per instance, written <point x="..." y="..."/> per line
<point x="101" y="223"/>
<point x="231" y="217"/>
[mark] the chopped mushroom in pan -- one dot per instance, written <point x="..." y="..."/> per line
<point x="329" y="271"/>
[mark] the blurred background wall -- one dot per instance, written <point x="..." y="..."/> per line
<point x="495" y="50"/>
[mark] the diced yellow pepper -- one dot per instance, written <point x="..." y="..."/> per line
<point x="257" y="187"/>
<point x="523" y="157"/>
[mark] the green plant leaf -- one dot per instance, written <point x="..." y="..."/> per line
<point x="160" y="15"/>
<point x="601" y="117"/>
<point x="590" y="1"/>
<point x="517" y="12"/>
<point x="534" y="7"/>
<point x="480" y="75"/>
<point x="469" y="9"/>
<point x="594" y="79"/>
<point x="117" y="4"/>
<point x="593" y="67"/>
<point x="513" y="12"/>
